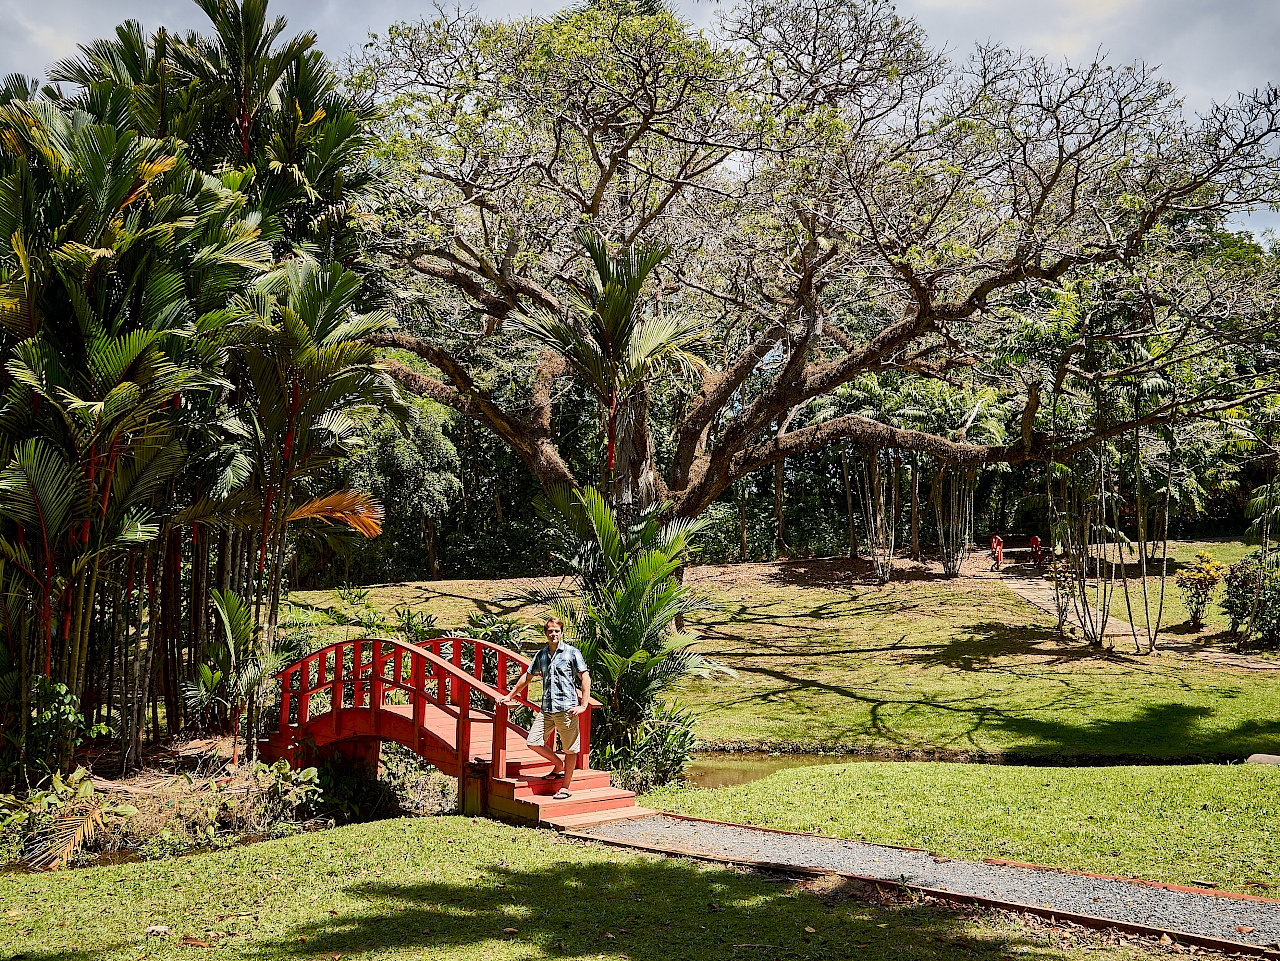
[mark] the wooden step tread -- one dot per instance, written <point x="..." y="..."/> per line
<point x="574" y="822"/>
<point x="580" y="795"/>
<point x="539" y="807"/>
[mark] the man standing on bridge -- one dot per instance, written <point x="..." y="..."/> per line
<point x="561" y="667"/>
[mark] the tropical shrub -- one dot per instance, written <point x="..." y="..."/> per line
<point x="416" y="627"/>
<point x="1251" y="597"/>
<point x="653" y="753"/>
<point x="1197" y="584"/>
<point x="53" y="825"/>
<point x="285" y="793"/>
<point x="623" y="611"/>
<point x="1059" y="575"/>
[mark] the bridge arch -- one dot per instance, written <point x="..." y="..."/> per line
<point x="441" y="700"/>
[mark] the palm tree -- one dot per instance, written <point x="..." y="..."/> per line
<point x="133" y="80"/>
<point x="240" y="67"/>
<point x="104" y="237"/>
<point x="623" y="606"/>
<point x="613" y="343"/>
<point x="306" y="373"/>
<point x="271" y="112"/>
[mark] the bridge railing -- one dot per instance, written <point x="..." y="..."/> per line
<point x="366" y="671"/>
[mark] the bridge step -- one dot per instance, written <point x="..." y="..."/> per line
<point x="575" y="822"/>
<point x="529" y="784"/>
<point x="537" y="809"/>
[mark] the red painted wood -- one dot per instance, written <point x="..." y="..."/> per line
<point x="438" y="721"/>
<point x="455" y="688"/>
<point x="356" y="671"/>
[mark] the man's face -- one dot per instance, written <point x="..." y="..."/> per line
<point x="553" y="634"/>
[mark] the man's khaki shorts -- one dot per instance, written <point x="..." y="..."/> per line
<point x="564" y="723"/>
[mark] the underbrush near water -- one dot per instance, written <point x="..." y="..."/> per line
<point x="213" y="805"/>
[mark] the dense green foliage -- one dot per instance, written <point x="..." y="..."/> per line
<point x="184" y="356"/>
<point x="1251" y="597"/>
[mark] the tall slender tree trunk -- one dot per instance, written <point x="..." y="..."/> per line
<point x="780" y="507"/>
<point x="848" y="502"/>
<point x="429" y="540"/>
<point x="915" y="507"/>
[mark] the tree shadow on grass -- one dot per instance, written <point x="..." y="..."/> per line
<point x="631" y="908"/>
<point x="1033" y="732"/>
<point x="845" y="573"/>
<point x="986" y="642"/>
<point x="1157" y="731"/>
<point x="641" y="910"/>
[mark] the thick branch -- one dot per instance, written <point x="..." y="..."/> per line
<point x="530" y="439"/>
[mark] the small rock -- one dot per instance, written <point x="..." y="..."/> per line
<point x="1241" y="929"/>
<point x="809" y="930"/>
<point x="158" y="931"/>
<point x="1165" y="939"/>
<point x="1263" y="759"/>
<point x="510" y="930"/>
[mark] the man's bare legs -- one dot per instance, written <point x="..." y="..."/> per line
<point x="548" y="752"/>
<point x="567" y="767"/>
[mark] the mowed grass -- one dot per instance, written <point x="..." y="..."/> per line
<point x="455" y="889"/>
<point x="938" y="668"/>
<point x="1174" y="618"/>
<point x="1181" y="825"/>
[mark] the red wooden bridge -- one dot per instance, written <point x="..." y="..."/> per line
<point x="440" y="700"/>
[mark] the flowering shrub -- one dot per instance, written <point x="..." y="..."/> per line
<point x="1198" y="583"/>
<point x="1252" y="597"/>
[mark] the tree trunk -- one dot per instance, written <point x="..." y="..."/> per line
<point x="848" y="502"/>
<point x="429" y="538"/>
<point x="915" y="507"/>
<point x="634" y="483"/>
<point x="779" y="508"/>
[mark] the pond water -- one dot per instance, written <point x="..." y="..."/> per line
<point x="726" y="770"/>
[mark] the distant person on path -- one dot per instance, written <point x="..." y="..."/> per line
<point x="997" y="551"/>
<point x="1037" y="552"/>
<point x="561" y="667"/>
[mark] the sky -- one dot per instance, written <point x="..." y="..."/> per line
<point x="1209" y="49"/>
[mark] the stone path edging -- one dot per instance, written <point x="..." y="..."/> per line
<point x="1225" y="921"/>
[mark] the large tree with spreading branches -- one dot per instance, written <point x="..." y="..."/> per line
<point x="839" y="200"/>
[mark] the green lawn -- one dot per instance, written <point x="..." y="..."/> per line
<point x="450" y="888"/>
<point x="922" y="665"/>
<point x="1175" y="824"/>
<point x="1175" y="615"/>
<point x="959" y="667"/>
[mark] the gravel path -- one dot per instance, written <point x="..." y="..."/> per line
<point x="1121" y="901"/>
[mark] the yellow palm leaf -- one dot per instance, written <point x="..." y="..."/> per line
<point x="356" y="509"/>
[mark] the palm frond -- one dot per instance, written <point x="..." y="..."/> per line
<point x="358" y="510"/>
